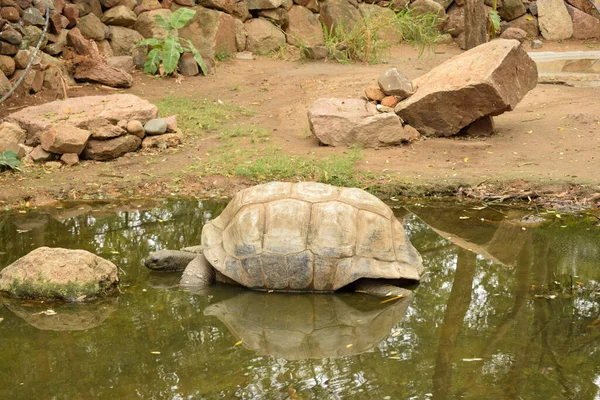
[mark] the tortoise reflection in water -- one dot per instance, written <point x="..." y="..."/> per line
<point x="305" y="237"/>
<point x="296" y="327"/>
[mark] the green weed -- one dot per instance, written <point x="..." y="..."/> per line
<point x="263" y="164"/>
<point x="199" y="116"/>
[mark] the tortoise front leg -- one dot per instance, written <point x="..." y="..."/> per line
<point x="198" y="274"/>
<point x="380" y="289"/>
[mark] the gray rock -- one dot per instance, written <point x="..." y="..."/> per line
<point x="11" y="36"/>
<point x="91" y="27"/>
<point x="316" y="52"/>
<point x="511" y="9"/>
<point x="123" y="41"/>
<point x="187" y="65"/>
<point x="31" y="37"/>
<point x="263" y="36"/>
<point x="33" y="16"/>
<point x="393" y="83"/>
<point x="57" y="47"/>
<point x="156" y="126"/>
<point x="38" y="155"/>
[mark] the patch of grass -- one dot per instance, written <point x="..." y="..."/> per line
<point x="370" y="39"/>
<point x="419" y="30"/>
<point x="251" y="131"/>
<point x="43" y="289"/>
<point x="263" y="164"/>
<point x="223" y="54"/>
<point x="198" y="116"/>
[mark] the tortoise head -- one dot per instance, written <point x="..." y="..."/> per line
<point x="168" y="260"/>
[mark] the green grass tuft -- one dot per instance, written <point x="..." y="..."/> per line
<point x="199" y="116"/>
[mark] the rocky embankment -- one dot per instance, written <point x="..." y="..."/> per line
<point x="106" y="31"/>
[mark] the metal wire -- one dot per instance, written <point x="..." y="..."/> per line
<point x="37" y="48"/>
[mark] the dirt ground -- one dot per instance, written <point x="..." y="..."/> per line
<point x="549" y="146"/>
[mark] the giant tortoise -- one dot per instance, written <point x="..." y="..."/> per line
<point x="301" y="237"/>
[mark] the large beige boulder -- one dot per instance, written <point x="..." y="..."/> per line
<point x="211" y="31"/>
<point x="554" y="19"/>
<point x="56" y="273"/>
<point x="489" y="79"/>
<point x="103" y="150"/>
<point x="304" y="28"/>
<point x="342" y="122"/>
<point x="76" y="110"/>
<point x="263" y="37"/>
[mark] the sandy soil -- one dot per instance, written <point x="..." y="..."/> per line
<point x="549" y="145"/>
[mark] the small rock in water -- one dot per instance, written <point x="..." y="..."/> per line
<point x="156" y="126"/>
<point x="536" y="44"/>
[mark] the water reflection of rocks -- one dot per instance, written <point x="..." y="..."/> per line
<point x="302" y="326"/>
<point x="68" y="317"/>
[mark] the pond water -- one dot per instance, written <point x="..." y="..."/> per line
<point x="508" y="310"/>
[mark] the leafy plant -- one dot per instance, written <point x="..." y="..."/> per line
<point x="9" y="160"/>
<point x="168" y="51"/>
<point x="494" y="20"/>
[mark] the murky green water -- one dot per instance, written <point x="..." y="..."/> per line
<point x="507" y="311"/>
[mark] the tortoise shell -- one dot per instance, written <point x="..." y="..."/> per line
<point x="308" y="237"/>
